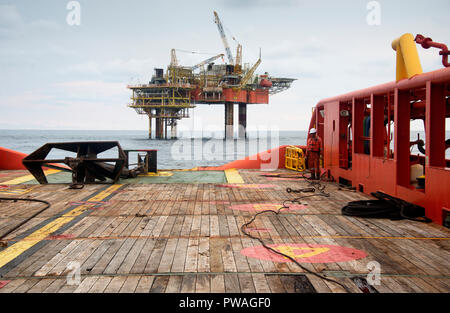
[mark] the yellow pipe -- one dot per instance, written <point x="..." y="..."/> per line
<point x="408" y="62"/>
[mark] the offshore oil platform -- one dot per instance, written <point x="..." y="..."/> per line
<point x="169" y="96"/>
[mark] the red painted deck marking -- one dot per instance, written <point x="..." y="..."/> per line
<point x="266" y="206"/>
<point x="250" y="186"/>
<point x="305" y="253"/>
<point x="3" y="283"/>
<point x="264" y="230"/>
<point x="282" y="178"/>
<point x="56" y="237"/>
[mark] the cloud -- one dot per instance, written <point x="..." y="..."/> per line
<point x="92" y="89"/>
<point x="237" y="4"/>
<point x="70" y="105"/>
<point x="69" y="71"/>
<point x="116" y="68"/>
<point x="27" y="99"/>
<point x="44" y="25"/>
<point x="11" y="23"/>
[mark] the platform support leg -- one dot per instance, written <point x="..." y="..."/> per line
<point x="242" y="120"/>
<point x="159" y="128"/>
<point x="149" y="127"/>
<point x="173" y="130"/>
<point x="165" y="128"/>
<point x="229" y="118"/>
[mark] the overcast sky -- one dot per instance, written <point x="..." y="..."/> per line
<point x="57" y="76"/>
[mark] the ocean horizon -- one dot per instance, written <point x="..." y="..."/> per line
<point x="190" y="149"/>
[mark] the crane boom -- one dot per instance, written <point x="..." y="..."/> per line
<point x="249" y="74"/>
<point x="173" y="58"/>
<point x="224" y="38"/>
<point x="238" y="65"/>
<point x="207" y="61"/>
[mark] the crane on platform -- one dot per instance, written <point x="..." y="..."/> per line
<point x="238" y="64"/>
<point x="224" y="38"/>
<point x="173" y="58"/>
<point x="249" y="74"/>
<point x="196" y="66"/>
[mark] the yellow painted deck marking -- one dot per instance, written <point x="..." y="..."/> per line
<point x="19" y="191"/>
<point x="102" y="195"/>
<point x="268" y="206"/>
<point x="194" y="169"/>
<point x="22" y="179"/>
<point x="21" y="246"/>
<point x="165" y="173"/>
<point x="233" y="176"/>
<point x="290" y="251"/>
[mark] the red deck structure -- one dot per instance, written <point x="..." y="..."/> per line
<point x="357" y="128"/>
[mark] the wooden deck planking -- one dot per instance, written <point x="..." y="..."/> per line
<point x="189" y="230"/>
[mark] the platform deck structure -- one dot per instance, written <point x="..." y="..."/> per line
<point x="183" y="235"/>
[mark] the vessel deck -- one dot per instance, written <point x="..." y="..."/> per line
<point x="185" y="237"/>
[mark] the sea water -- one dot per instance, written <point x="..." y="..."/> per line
<point x="184" y="152"/>
<point x="188" y="151"/>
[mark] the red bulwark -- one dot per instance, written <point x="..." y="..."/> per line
<point x="267" y="160"/>
<point x="11" y="160"/>
<point x="362" y="148"/>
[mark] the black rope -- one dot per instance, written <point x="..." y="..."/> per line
<point x="47" y="205"/>
<point x="321" y="193"/>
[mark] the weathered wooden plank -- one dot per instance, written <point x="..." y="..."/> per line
<point x="100" y="285"/>
<point x="191" y="256"/>
<point x="232" y="283"/>
<point x="168" y="255"/>
<point x="55" y="286"/>
<point x="188" y="284"/>
<point x="40" y="286"/>
<point x="155" y="257"/>
<point x="130" y="284"/>
<point x="86" y="284"/>
<point x="174" y="284"/>
<point x="246" y="283"/>
<point x="159" y="284"/>
<point x="115" y="284"/>
<point x="144" y="285"/>
<point x="203" y="284"/>
<point x="217" y="284"/>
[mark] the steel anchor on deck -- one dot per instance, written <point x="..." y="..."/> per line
<point x="86" y="167"/>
